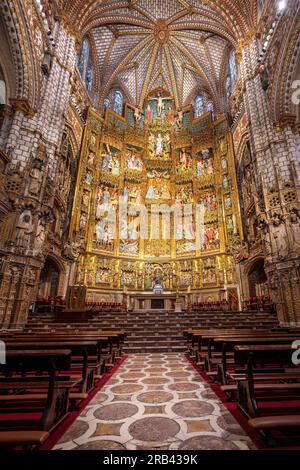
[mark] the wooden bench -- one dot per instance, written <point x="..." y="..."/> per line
<point x="280" y="355"/>
<point x="25" y="439"/>
<point x="56" y="399"/>
<point x="85" y="357"/>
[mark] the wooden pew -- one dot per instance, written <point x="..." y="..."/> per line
<point x="214" y="354"/>
<point x="27" y="440"/>
<point x="224" y="348"/>
<point x="107" y="350"/>
<point x="280" y="355"/>
<point x="56" y="400"/>
<point x="81" y="350"/>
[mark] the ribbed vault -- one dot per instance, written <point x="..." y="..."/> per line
<point x="179" y="45"/>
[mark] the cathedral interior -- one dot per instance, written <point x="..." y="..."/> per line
<point x="149" y="167"/>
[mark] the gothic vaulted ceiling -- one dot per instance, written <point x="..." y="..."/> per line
<point x="178" y="45"/>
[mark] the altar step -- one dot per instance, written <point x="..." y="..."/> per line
<point x="155" y="331"/>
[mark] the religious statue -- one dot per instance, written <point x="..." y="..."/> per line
<point x="227" y="201"/>
<point x="200" y="169"/>
<point x="36" y="178"/>
<point x="137" y="115"/>
<point x="160" y="105"/>
<point x="280" y="236"/>
<point x="133" y="163"/>
<point x="151" y="192"/>
<point x="39" y="238"/>
<point x="209" y="166"/>
<point x="82" y="222"/>
<point x="91" y="159"/>
<point x="72" y="250"/>
<point x="115" y="167"/>
<point x="231" y="228"/>
<point x="106" y="196"/>
<point x="179" y="119"/>
<point x="295" y="228"/>
<point x="99" y="229"/>
<point x="184" y="159"/>
<point x="85" y="199"/>
<point x="165" y="193"/>
<point x="226" y="183"/>
<point x="159" y="146"/>
<point x="24" y="230"/>
<point x="89" y="178"/>
<point x="224" y="165"/>
<point x="158" y="285"/>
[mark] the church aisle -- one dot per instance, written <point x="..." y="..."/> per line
<point x="155" y="402"/>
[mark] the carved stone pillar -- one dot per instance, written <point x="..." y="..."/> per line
<point x="33" y="144"/>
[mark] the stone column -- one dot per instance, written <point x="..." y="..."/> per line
<point x="275" y="147"/>
<point x="33" y="143"/>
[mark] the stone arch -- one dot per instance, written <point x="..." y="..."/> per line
<point x="49" y="277"/>
<point x="257" y="277"/>
<point x="287" y="69"/>
<point x="24" y="85"/>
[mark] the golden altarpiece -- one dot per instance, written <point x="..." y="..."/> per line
<point x="166" y="158"/>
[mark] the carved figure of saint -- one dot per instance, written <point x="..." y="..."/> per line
<point x="137" y="115"/>
<point x="82" y="222"/>
<point x="295" y="226"/>
<point x="150" y="193"/>
<point x="165" y="193"/>
<point x="115" y="167"/>
<point x="24" y="229"/>
<point x="227" y="202"/>
<point x="35" y="179"/>
<point x="224" y="165"/>
<point x="159" y="146"/>
<point x="39" y="238"/>
<point x="200" y="169"/>
<point x="91" y="159"/>
<point x="179" y="120"/>
<point x="89" y="178"/>
<point x="106" y="196"/>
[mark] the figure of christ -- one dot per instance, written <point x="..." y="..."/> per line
<point x="160" y="105"/>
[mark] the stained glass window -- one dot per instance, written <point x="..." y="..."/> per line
<point x="89" y="76"/>
<point x="85" y="65"/>
<point x="118" y="103"/>
<point x="233" y="68"/>
<point x="228" y="87"/>
<point x="106" y="105"/>
<point x="199" y="106"/>
<point x="210" y="108"/>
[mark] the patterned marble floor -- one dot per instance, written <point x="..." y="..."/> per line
<point x="155" y="402"/>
